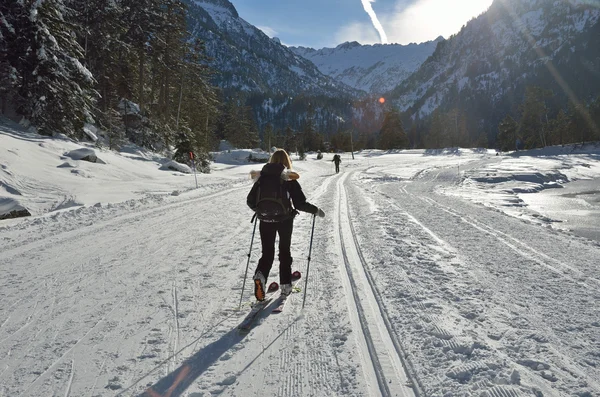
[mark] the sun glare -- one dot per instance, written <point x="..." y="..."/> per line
<point x="428" y="19"/>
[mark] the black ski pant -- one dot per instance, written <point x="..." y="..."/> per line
<point x="337" y="167"/>
<point x="268" y="232"/>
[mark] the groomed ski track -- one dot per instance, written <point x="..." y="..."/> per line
<point x="411" y="292"/>
<point x="380" y="349"/>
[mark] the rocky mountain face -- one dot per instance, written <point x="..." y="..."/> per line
<point x="375" y="69"/>
<point x="248" y="60"/>
<point x="487" y="65"/>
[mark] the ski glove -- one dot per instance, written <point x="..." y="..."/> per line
<point x="321" y="213"/>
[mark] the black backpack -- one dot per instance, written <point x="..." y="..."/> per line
<point x="272" y="199"/>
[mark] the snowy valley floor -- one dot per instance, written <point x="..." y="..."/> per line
<point x="428" y="277"/>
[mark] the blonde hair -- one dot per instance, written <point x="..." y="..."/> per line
<point x="280" y="156"/>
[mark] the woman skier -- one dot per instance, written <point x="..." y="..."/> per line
<point x="276" y="197"/>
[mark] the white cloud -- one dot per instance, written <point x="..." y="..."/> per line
<point x="428" y="19"/>
<point x="357" y="31"/>
<point x="422" y="21"/>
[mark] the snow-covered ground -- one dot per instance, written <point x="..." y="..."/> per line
<point x="433" y="274"/>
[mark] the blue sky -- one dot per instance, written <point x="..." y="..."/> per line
<point x="327" y="23"/>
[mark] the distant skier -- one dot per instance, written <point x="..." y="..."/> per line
<point x="271" y="198"/>
<point x="337" y="160"/>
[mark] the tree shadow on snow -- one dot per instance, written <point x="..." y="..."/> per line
<point x="175" y="383"/>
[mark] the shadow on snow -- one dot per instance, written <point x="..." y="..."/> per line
<point x="175" y="383"/>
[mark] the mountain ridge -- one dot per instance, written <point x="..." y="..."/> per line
<point x="374" y="68"/>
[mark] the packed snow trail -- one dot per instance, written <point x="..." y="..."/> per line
<point x="380" y="347"/>
<point x="411" y="290"/>
<point x="484" y="284"/>
<point x="109" y="291"/>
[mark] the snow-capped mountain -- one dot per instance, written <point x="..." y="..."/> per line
<point x="247" y="59"/>
<point x="552" y="44"/>
<point x="372" y="68"/>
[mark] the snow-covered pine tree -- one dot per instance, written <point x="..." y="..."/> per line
<point x="56" y="88"/>
<point x="142" y="19"/>
<point x="101" y="28"/>
<point x="15" y="27"/>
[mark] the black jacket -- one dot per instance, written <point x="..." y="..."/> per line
<point x="295" y="194"/>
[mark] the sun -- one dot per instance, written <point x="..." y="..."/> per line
<point x="382" y="100"/>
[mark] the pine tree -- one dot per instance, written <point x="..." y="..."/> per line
<point x="54" y="88"/>
<point x="507" y="134"/>
<point x="581" y="127"/>
<point x="239" y="127"/>
<point x="310" y="140"/>
<point x="142" y="19"/>
<point x="558" y="128"/>
<point x="392" y="135"/>
<point x="533" y="126"/>
<point x="361" y="142"/>
<point x="433" y="139"/>
<point x="99" y="33"/>
<point x="197" y="103"/>
<point x="183" y="147"/>
<point x="268" y="137"/>
<point x="289" y="140"/>
<point x="594" y="111"/>
<point x="13" y="46"/>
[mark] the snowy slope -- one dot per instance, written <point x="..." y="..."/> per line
<point x="37" y="173"/>
<point x="375" y="69"/>
<point x="514" y="44"/>
<point x="414" y="286"/>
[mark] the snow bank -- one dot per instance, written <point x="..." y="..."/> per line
<point x="506" y="185"/>
<point x="38" y="172"/>
<point x="240" y="156"/>
<point x="85" y="154"/>
<point x="175" y="166"/>
<point x="10" y="208"/>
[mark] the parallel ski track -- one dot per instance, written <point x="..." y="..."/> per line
<point x="301" y="379"/>
<point x="62" y="236"/>
<point x="534" y="254"/>
<point x="384" y="351"/>
<point x="33" y="316"/>
<point x="519" y="247"/>
<point x="291" y="384"/>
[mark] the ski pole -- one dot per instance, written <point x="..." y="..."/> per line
<point x="308" y="265"/>
<point x="248" y="263"/>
